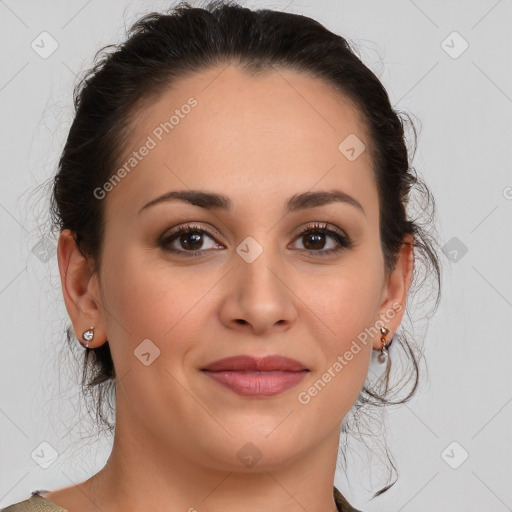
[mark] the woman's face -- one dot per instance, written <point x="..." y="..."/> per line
<point x="243" y="280"/>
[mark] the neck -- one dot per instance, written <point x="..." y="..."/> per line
<point x="144" y="473"/>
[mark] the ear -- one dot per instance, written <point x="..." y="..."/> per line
<point x="395" y="289"/>
<point x="80" y="288"/>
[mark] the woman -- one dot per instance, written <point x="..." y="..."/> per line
<point x="234" y="252"/>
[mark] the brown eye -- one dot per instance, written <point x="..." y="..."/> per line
<point x="188" y="241"/>
<point x="315" y="239"/>
<point x="193" y="240"/>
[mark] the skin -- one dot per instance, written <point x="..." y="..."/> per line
<point x="258" y="140"/>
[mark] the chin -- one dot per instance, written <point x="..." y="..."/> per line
<point x="256" y="451"/>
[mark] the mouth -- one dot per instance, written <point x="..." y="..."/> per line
<point x="256" y="377"/>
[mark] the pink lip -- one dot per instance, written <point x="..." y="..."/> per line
<point x="251" y="376"/>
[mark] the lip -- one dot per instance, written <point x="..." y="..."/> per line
<point x="256" y="364"/>
<point x="257" y="377"/>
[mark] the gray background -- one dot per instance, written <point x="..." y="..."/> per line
<point x="463" y="103"/>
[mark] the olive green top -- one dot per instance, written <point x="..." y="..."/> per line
<point x="35" y="503"/>
<point x="38" y="503"/>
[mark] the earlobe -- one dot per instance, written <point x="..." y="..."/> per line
<point x="394" y="297"/>
<point x="79" y="285"/>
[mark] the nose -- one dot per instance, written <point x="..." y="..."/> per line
<point x="258" y="298"/>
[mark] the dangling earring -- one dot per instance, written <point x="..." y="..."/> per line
<point x="88" y="336"/>
<point x="384" y="349"/>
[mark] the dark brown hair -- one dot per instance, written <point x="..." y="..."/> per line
<point x="164" y="47"/>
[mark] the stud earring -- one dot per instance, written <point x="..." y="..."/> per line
<point x="88" y="336"/>
<point x="384" y="349"/>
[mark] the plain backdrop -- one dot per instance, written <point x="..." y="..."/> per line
<point x="448" y="63"/>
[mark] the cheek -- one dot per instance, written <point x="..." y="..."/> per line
<point x="349" y="309"/>
<point x="147" y="299"/>
<point x="345" y="307"/>
<point x="346" y="301"/>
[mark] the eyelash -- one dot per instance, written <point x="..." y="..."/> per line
<point x="342" y="240"/>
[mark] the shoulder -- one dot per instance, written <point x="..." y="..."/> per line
<point x="35" y="503"/>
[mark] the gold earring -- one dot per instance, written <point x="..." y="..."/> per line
<point x="384" y="349"/>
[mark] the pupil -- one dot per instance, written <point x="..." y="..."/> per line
<point x="316" y="239"/>
<point x="195" y="237"/>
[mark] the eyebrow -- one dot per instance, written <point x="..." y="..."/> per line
<point x="297" y="202"/>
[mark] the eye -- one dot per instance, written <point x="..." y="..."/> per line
<point x="314" y="239"/>
<point x="191" y="240"/>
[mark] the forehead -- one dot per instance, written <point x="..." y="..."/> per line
<point x="254" y="135"/>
